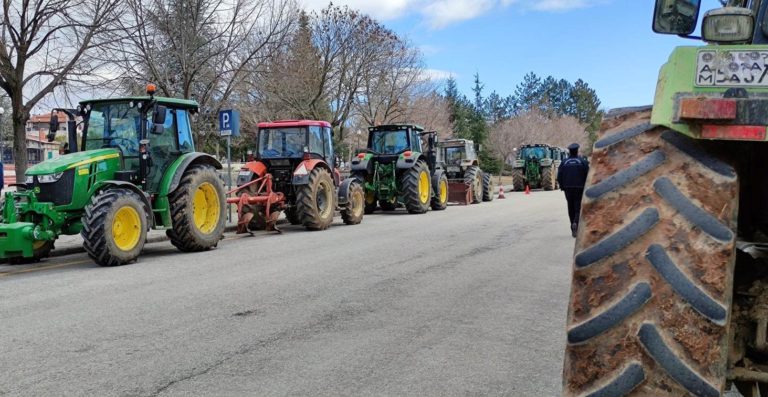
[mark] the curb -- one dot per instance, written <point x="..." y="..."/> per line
<point x="152" y="240"/>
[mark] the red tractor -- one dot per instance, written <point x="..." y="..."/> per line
<point x="294" y="172"/>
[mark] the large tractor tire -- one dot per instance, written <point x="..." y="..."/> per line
<point x="316" y="201"/>
<point x="115" y="227"/>
<point x="292" y="215"/>
<point x="518" y="179"/>
<point x="417" y="189"/>
<point x="473" y="177"/>
<point x="370" y="196"/>
<point x="548" y="178"/>
<point x="489" y="188"/>
<point x="440" y="200"/>
<point x="197" y="210"/>
<point x="352" y="213"/>
<point x="653" y="271"/>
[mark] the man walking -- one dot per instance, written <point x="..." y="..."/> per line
<point x="571" y="176"/>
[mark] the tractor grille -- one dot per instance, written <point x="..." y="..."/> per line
<point x="59" y="192"/>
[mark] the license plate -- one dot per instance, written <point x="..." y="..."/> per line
<point x="454" y="169"/>
<point x="732" y="69"/>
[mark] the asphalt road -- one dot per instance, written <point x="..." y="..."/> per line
<point x="469" y="301"/>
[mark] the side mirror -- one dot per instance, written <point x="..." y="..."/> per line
<point x="676" y="16"/>
<point x="158" y="116"/>
<point x="158" y="119"/>
<point x="54" y="124"/>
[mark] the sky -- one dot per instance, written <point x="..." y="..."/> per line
<point x="607" y="43"/>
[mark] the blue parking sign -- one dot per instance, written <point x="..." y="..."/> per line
<point x="229" y="122"/>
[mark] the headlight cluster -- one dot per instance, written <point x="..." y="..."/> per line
<point x="50" y="178"/>
<point x="29" y="180"/>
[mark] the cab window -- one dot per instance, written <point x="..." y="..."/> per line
<point x="186" y="145"/>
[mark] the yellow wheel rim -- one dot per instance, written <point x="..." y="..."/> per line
<point x="424" y="186"/>
<point x="206" y="208"/>
<point x="370" y="197"/>
<point x="126" y="228"/>
<point x="443" y="191"/>
<point x="356" y="201"/>
<point x="325" y="200"/>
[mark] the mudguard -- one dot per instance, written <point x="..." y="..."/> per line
<point x="173" y="175"/>
<point x="436" y="181"/>
<point x="249" y="170"/>
<point x="344" y="188"/>
<point x="103" y="185"/>
<point x="359" y="164"/>
<point x="404" y="163"/>
<point x="545" y="162"/>
<point x="302" y="171"/>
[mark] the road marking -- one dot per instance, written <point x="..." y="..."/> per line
<point x="40" y="268"/>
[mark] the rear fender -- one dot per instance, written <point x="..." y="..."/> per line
<point x="250" y="171"/>
<point x="302" y="171"/>
<point x="436" y="181"/>
<point x="344" y="189"/>
<point x="406" y="163"/>
<point x="363" y="164"/>
<point x="104" y="185"/>
<point x="176" y="171"/>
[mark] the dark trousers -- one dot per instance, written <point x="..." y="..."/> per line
<point x="573" y="196"/>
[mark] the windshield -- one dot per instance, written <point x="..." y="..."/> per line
<point x="538" y="152"/>
<point x="113" y="125"/>
<point x="454" y="155"/>
<point x="282" y="142"/>
<point x="390" y="142"/>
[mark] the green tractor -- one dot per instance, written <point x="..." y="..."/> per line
<point x="135" y="169"/>
<point x="396" y="171"/>
<point x="535" y="167"/>
<point x="464" y="174"/>
<point x="669" y="293"/>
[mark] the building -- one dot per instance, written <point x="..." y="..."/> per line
<point x="38" y="147"/>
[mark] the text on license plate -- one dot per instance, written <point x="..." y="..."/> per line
<point x="732" y="68"/>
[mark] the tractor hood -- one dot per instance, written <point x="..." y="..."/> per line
<point x="67" y="161"/>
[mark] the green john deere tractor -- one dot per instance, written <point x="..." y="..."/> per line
<point x="135" y="168"/>
<point x="669" y="292"/>
<point x="396" y="171"/>
<point x="535" y="167"/>
<point x="463" y="170"/>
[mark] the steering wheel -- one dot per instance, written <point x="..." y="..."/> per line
<point x="130" y="147"/>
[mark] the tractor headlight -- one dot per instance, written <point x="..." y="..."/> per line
<point x="29" y="180"/>
<point x="728" y="25"/>
<point x="50" y="178"/>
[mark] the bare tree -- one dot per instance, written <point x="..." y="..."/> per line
<point x="201" y="49"/>
<point x="45" y="44"/>
<point x="426" y="107"/>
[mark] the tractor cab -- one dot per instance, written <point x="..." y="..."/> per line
<point x="283" y="146"/>
<point x="458" y="155"/>
<point x="388" y="142"/>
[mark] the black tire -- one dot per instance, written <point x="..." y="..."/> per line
<point x="292" y="215"/>
<point x="352" y="213"/>
<point x="440" y="199"/>
<point x="653" y="270"/>
<point x="548" y="178"/>
<point x="109" y="211"/>
<point x="370" y="196"/>
<point x="316" y="201"/>
<point x="489" y="188"/>
<point x="474" y="177"/>
<point x="387" y="206"/>
<point x="417" y="190"/>
<point x="188" y="235"/>
<point x="518" y="179"/>
<point x="41" y="249"/>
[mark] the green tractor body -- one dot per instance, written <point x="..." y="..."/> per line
<point x="670" y="289"/>
<point x="133" y="168"/>
<point x="535" y="167"/>
<point x="396" y="171"/>
<point x="467" y="183"/>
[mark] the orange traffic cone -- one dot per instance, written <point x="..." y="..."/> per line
<point x="501" y="192"/>
<point x="527" y="189"/>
